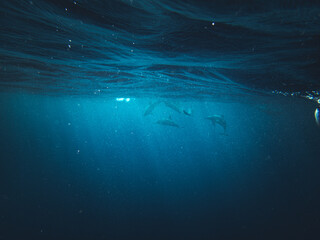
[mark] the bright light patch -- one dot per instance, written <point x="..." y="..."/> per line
<point x="123" y="99"/>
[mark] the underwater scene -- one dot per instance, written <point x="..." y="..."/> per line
<point x="167" y="119"/>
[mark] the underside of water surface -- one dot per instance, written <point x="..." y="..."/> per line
<point x="164" y="48"/>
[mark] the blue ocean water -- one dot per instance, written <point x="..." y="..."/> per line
<point x="104" y="129"/>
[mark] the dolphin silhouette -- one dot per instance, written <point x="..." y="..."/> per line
<point x="218" y="119"/>
<point x="151" y="107"/>
<point x="172" y="106"/>
<point x="187" y="112"/>
<point x="167" y="122"/>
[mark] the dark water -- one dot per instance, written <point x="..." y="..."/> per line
<point x="84" y="155"/>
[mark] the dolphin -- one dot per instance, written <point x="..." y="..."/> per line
<point x="167" y="122"/>
<point x="317" y="116"/>
<point x="218" y="119"/>
<point x="150" y="108"/>
<point x="187" y="112"/>
<point x="172" y="106"/>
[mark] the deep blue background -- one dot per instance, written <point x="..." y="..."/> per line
<point x="82" y="168"/>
